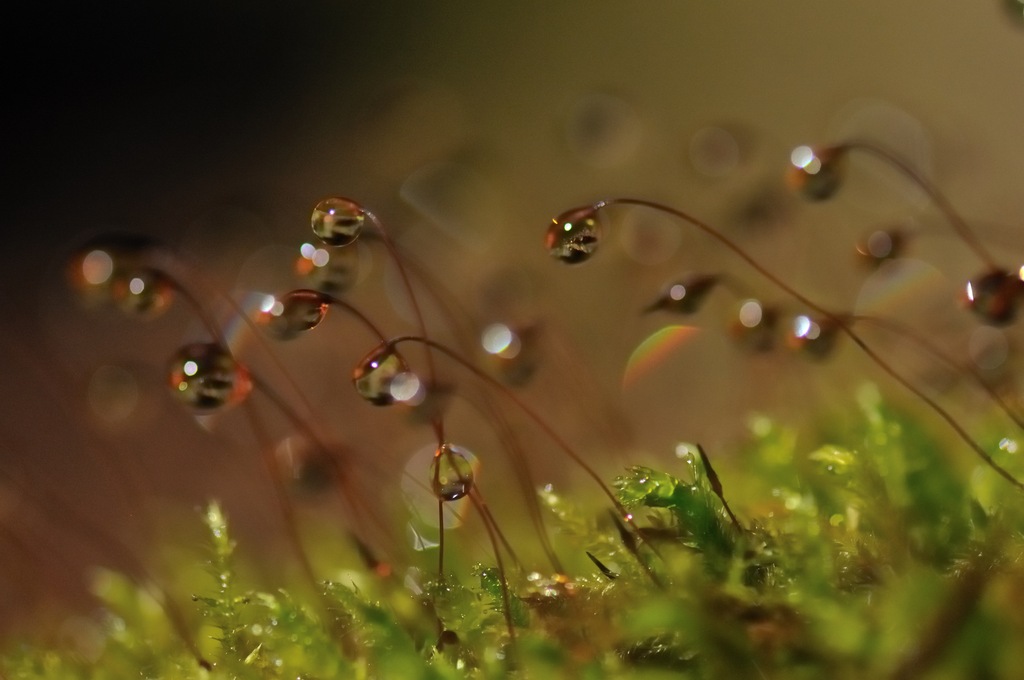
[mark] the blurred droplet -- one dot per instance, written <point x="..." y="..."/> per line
<point x="754" y="327"/>
<point x="514" y="352"/>
<point x="452" y="472"/>
<point x="333" y="271"/>
<point x="574" y="235"/>
<point x="816" y="174"/>
<point x="338" y="221"/>
<point x="813" y="337"/>
<point x="603" y="130"/>
<point x="994" y="296"/>
<point x="881" y="245"/>
<point x="305" y="464"/>
<point x="113" y="394"/>
<point x="684" y="296"/>
<point x="97" y="266"/>
<point x="373" y="375"/>
<point x="143" y="291"/>
<point x="291" y="314"/>
<point x="714" y="152"/>
<point x="206" y="377"/>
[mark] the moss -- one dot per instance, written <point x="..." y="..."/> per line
<point x="878" y="554"/>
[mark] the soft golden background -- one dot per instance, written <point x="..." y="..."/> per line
<point x="466" y="126"/>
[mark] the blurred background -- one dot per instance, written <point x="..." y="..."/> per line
<point x="466" y="127"/>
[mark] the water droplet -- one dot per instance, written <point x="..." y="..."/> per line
<point x="814" y="337"/>
<point x="754" y="327"/>
<point x="880" y="246"/>
<point x="103" y="262"/>
<point x="451" y="472"/>
<point x="330" y="271"/>
<point x="513" y="352"/>
<point x="684" y="296"/>
<point x="994" y="296"/>
<point x="574" y="235"/>
<point x="291" y="314"/>
<point x="816" y="173"/>
<point x="373" y="375"/>
<point x="144" y="291"/>
<point x="338" y="221"/>
<point x="205" y="376"/>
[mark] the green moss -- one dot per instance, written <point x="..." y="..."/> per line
<point x="876" y="554"/>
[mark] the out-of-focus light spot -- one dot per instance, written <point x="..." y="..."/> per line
<point x="1020" y="273"/>
<point x="97" y="266"/>
<point x="677" y="292"/>
<point x="307" y="250"/>
<point x="496" y="338"/>
<point x="136" y="286"/>
<point x="803" y="327"/>
<point x="320" y="257"/>
<point x="879" y="244"/>
<point x="802" y="156"/>
<point x="567" y="226"/>
<point x="190" y="368"/>
<point x="1008" y="445"/>
<point x="268" y="303"/>
<point x="684" y="450"/>
<point x="751" y="313"/>
<point x="714" y="152"/>
<point x="407" y="388"/>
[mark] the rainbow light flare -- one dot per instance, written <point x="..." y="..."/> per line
<point x="653" y="351"/>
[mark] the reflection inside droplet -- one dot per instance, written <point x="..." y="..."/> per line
<point x="804" y="327"/>
<point x="751" y="313"/>
<point x="97" y="266"/>
<point x="407" y="388"/>
<point x="1008" y="445"/>
<point x="420" y="497"/>
<point x="802" y="156"/>
<point x="496" y="338"/>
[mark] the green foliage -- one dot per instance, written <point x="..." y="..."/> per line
<point x="876" y="554"/>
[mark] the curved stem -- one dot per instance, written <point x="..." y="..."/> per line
<point x="410" y="294"/>
<point x="958" y="223"/>
<point x="839" y="322"/>
<point x="530" y="413"/>
<point x="477" y="500"/>
<point x="923" y="343"/>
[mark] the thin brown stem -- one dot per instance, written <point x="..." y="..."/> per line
<point x="922" y="342"/>
<point x="474" y="496"/>
<point x="836" y="319"/>
<point x="959" y="224"/>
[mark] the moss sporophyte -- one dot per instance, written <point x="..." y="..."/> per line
<point x="888" y="546"/>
